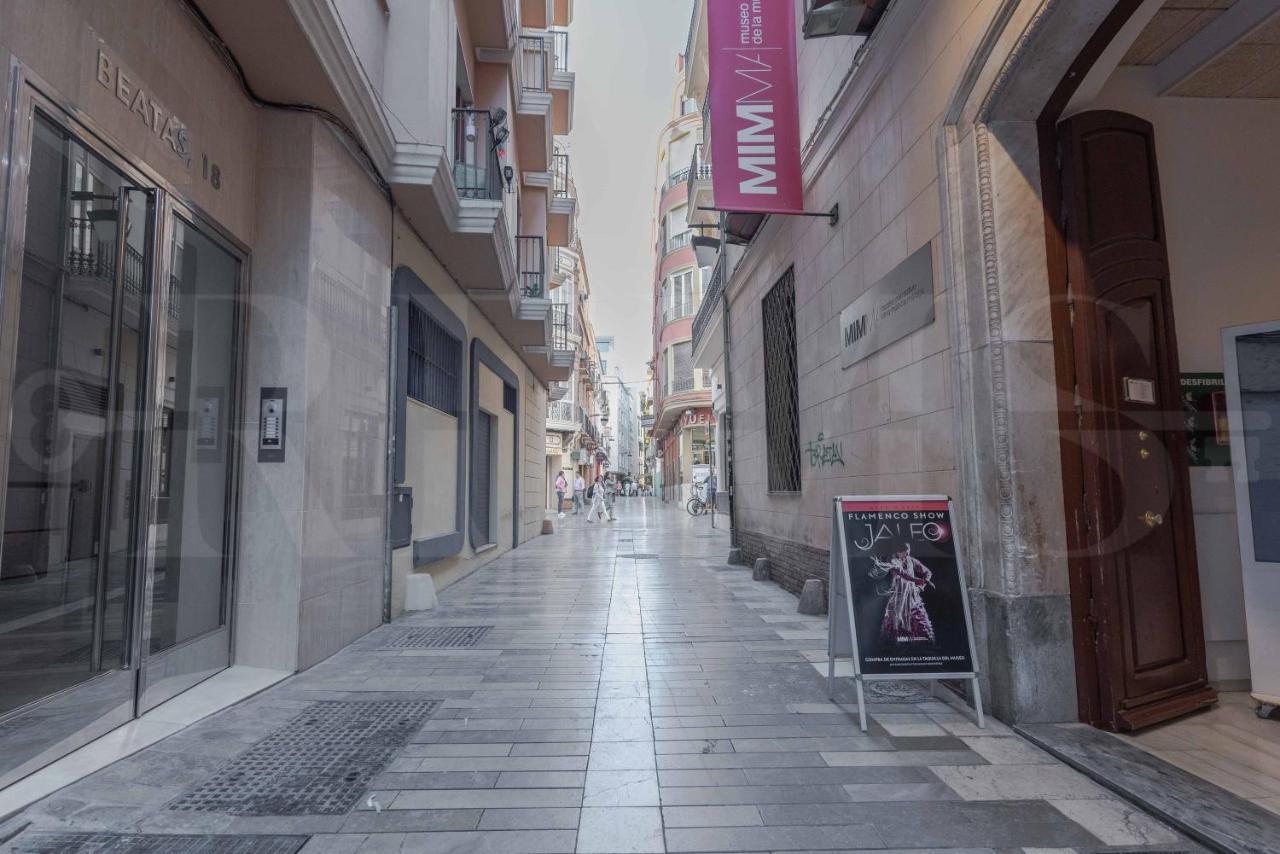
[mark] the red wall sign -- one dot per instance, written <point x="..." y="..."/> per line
<point x="755" y="120"/>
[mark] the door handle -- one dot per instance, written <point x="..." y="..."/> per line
<point x="1152" y="519"/>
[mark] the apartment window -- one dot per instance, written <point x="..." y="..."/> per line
<point x="781" y="404"/>
<point x="435" y="363"/>
<point x="681" y="366"/>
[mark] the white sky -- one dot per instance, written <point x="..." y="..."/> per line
<point x="624" y="53"/>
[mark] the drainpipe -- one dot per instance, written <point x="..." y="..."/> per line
<point x="728" y="395"/>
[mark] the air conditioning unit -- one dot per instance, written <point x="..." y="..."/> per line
<point x="841" y="17"/>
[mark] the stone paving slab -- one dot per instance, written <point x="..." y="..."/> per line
<point x="620" y="705"/>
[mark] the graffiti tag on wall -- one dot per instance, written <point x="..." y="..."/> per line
<point x="823" y="453"/>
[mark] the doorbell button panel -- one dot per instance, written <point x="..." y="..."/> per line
<point x="272" y="422"/>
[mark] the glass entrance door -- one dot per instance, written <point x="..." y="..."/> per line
<point x="189" y="532"/>
<point x="76" y="327"/>
<point x="119" y="318"/>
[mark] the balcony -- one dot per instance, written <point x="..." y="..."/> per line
<point x="711" y="307"/>
<point x="560" y="415"/>
<point x="700" y="189"/>
<point x="590" y="429"/>
<point x="534" y="102"/>
<point x="563" y="204"/>
<point x="558" y="390"/>
<point x="561" y="324"/>
<point x="676" y="310"/>
<point x="492" y="23"/>
<point x="531" y="265"/>
<point x="676" y="178"/>
<point x="841" y="17"/>
<point x="537" y="13"/>
<point x="679" y="240"/>
<point x="477" y="173"/>
<point x="563" y="83"/>
<point x="562" y="266"/>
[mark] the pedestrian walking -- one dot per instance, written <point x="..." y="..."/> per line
<point x="711" y="492"/>
<point x="579" y="488"/>
<point x="599" y="507"/>
<point x="562" y="485"/>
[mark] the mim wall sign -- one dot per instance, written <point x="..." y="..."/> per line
<point x="892" y="308"/>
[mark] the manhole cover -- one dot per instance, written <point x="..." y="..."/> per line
<point x="895" y="692"/>
<point x="639" y="556"/>
<point x="439" y="637"/>
<point x="319" y="763"/>
<point x="40" y="842"/>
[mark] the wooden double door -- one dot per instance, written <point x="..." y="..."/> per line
<point x="1135" y="587"/>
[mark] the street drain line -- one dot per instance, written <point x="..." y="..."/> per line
<point x="319" y="763"/>
<point x="439" y="637"/>
<point x="44" y="842"/>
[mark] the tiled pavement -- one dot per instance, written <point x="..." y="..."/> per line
<point x="623" y="705"/>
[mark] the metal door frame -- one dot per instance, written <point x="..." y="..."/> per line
<point x="197" y="658"/>
<point x="114" y="697"/>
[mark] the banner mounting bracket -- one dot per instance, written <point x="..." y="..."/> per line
<point x="832" y="215"/>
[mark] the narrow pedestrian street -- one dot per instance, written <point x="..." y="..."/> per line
<point x="613" y="687"/>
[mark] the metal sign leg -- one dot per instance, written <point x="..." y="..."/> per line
<point x="977" y="703"/>
<point x="831" y="675"/>
<point x="862" y="704"/>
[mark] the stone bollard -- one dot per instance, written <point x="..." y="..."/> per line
<point x="735" y="557"/>
<point x="548" y="527"/>
<point x="761" y="570"/>
<point x="419" y="592"/>
<point x="811" y="598"/>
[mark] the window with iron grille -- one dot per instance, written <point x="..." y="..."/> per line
<point x="435" y="363"/>
<point x="781" y="398"/>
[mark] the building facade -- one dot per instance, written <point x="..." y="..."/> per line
<point x="276" y="332"/>
<point x="1004" y="153"/>
<point x="622" y="430"/>
<point x="575" y="427"/>
<point x="683" y="422"/>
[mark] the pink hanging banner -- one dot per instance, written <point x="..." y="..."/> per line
<point x="755" y="119"/>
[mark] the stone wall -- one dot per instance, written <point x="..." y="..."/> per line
<point x="790" y="563"/>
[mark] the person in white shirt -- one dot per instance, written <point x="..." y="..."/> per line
<point x="599" y="506"/>
<point x="579" y="487"/>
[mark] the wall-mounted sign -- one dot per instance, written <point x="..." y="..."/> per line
<point x="754" y="112"/>
<point x="699" y="418"/>
<point x="133" y="95"/>
<point x="1204" y="412"/>
<point x="889" y="310"/>
<point x="555" y="442"/>
<point x="171" y="130"/>
<point x="898" y="605"/>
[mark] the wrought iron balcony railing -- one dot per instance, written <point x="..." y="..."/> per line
<point x="535" y="54"/>
<point x="560" y="49"/>
<point x="710" y="302"/>
<point x="531" y="257"/>
<point x="476" y="172"/>
<point x="699" y="168"/>
<point x="561" y="318"/>
<point x="560" y="410"/>
<point x="560" y="176"/>
<point x="679" y="240"/>
<point x="677" y="177"/>
<point x="676" y="310"/>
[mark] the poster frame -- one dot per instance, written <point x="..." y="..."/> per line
<point x="842" y="635"/>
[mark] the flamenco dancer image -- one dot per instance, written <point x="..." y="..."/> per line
<point x="905" y="618"/>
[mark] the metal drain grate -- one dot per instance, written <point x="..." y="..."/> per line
<point x="896" y="692"/>
<point x="41" y="842"/>
<point x="639" y="556"/>
<point x="319" y="763"/>
<point x="439" y="637"/>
